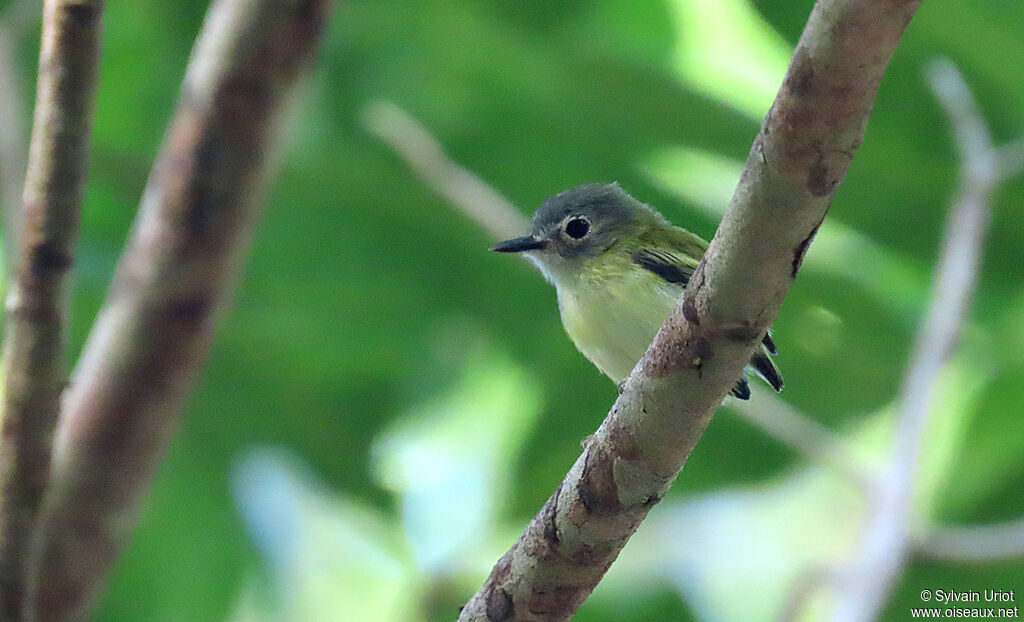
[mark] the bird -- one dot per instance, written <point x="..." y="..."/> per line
<point x="618" y="267"/>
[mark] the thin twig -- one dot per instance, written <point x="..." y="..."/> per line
<point x="1011" y="159"/>
<point x="886" y="532"/>
<point x="974" y="543"/>
<point x="786" y="424"/>
<point x="795" y="165"/>
<point x="12" y="148"/>
<point x="15" y="21"/>
<point x="479" y="201"/>
<point x="152" y="335"/>
<point x="34" y="358"/>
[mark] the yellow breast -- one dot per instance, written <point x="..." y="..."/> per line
<point x="612" y="315"/>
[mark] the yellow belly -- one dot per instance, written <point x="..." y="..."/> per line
<point x="612" y="320"/>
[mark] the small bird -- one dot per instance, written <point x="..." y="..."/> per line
<point x="619" y="268"/>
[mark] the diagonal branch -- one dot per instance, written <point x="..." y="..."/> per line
<point x="815" y="441"/>
<point x="152" y="336"/>
<point x="798" y="159"/>
<point x="34" y="358"/>
<point x="886" y="533"/>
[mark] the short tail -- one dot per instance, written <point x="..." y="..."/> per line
<point x="767" y="369"/>
<point x="742" y="389"/>
<point x="764" y="366"/>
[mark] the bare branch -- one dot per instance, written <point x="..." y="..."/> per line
<point x="152" y="336"/>
<point x="34" y="358"/>
<point x="974" y="543"/>
<point x="479" y="201"/>
<point x="886" y="534"/>
<point x="801" y="154"/>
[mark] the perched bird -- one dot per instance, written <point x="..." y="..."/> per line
<point x="619" y="267"/>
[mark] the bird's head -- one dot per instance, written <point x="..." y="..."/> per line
<point x="579" y="224"/>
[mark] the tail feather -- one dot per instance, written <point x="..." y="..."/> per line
<point x="766" y="369"/>
<point x="742" y="389"/>
<point x="764" y="366"/>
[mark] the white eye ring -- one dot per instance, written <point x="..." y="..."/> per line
<point x="576" y="227"/>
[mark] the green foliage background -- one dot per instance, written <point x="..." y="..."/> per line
<point x="363" y="285"/>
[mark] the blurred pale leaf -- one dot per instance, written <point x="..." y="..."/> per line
<point x="450" y="459"/>
<point x="727" y="50"/>
<point x="329" y="559"/>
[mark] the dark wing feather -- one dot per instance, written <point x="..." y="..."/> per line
<point x="742" y="389"/>
<point x="767" y="370"/>
<point x="672" y="253"/>
<point x="664" y="264"/>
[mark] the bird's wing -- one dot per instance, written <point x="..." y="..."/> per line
<point x="672" y="254"/>
<point x="665" y="264"/>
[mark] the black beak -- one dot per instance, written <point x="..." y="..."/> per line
<point x="518" y="245"/>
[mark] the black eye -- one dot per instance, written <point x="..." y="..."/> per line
<point x="577" y="228"/>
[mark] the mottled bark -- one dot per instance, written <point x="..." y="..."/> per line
<point x="152" y="335"/>
<point x="798" y="159"/>
<point x="34" y="358"/>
